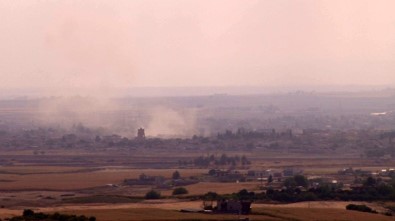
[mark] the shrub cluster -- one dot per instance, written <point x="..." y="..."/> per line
<point x="372" y="190"/>
<point x="152" y="195"/>
<point x="180" y="191"/>
<point x="30" y="215"/>
<point x="361" y="208"/>
<point x="221" y="161"/>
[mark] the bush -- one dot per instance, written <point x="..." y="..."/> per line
<point x="297" y="180"/>
<point x="176" y="175"/>
<point x="211" y="196"/>
<point x="180" y="191"/>
<point x="245" y="195"/>
<point x="212" y="172"/>
<point x="152" y="195"/>
<point x="361" y="208"/>
<point x="28" y="212"/>
<point x="29" y="215"/>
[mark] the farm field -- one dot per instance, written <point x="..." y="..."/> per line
<point x="69" y="178"/>
<point x="169" y="211"/>
<point x="47" y="177"/>
<point x="92" y="184"/>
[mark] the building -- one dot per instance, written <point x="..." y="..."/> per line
<point x="145" y="180"/>
<point x="234" y="206"/>
<point x="140" y="133"/>
<point x="289" y="172"/>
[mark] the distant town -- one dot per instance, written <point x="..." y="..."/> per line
<point x="212" y="156"/>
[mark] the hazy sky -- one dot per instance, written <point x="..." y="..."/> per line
<point x="133" y="43"/>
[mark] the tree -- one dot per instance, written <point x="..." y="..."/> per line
<point x="152" y="195"/>
<point x="176" y="175"/>
<point x="370" y="181"/>
<point x="297" y="180"/>
<point x="223" y="160"/>
<point x="143" y="176"/>
<point x="208" y="199"/>
<point x="270" y="179"/>
<point x="245" y="195"/>
<point x="385" y="190"/>
<point x="211" y="196"/>
<point x="28" y="212"/>
<point x="212" y="172"/>
<point x="180" y="191"/>
<point x="301" y="181"/>
<point x="290" y="182"/>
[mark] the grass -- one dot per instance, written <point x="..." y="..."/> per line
<point x="101" y="199"/>
<point x="324" y="214"/>
<point x="35" y="179"/>
<point x="22" y="170"/>
<point x="159" y="214"/>
<point x="169" y="211"/>
<point x="261" y="214"/>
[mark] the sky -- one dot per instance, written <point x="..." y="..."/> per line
<point x="98" y="45"/>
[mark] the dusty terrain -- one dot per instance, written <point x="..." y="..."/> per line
<point x="168" y="210"/>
